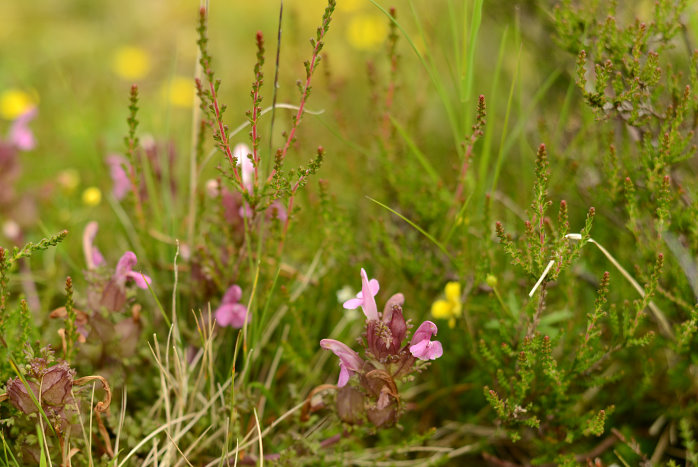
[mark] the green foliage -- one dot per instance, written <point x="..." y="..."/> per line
<point x="424" y="143"/>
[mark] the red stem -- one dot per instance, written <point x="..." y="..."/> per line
<point x="224" y="137"/>
<point x="304" y="96"/>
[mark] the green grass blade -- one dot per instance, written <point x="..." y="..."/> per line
<point x="426" y="165"/>
<point x="491" y="110"/>
<point x="500" y="154"/>
<point x="433" y="75"/>
<point x="438" y="244"/>
<point x="475" y="21"/>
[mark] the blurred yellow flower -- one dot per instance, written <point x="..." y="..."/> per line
<point x="366" y="31"/>
<point x="131" y="63"/>
<point x="92" y="196"/>
<point x="451" y="308"/>
<point x="15" y="102"/>
<point x="348" y="5"/>
<point x="68" y="179"/>
<point x="180" y="91"/>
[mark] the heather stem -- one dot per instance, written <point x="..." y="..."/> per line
<point x="539" y="311"/>
<point x="310" y="68"/>
<point x="225" y="143"/>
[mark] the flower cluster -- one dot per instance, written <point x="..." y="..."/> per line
<point x="231" y="312"/>
<point x="374" y="395"/>
<point x="107" y="299"/>
<point x="451" y="308"/>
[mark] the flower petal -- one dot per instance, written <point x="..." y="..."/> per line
<point x="453" y="292"/>
<point x="424" y="332"/>
<point x="142" y="281"/>
<point x="124" y="266"/>
<point x="231" y="314"/>
<point x="20" y="134"/>
<point x="233" y="294"/>
<point x="117" y="170"/>
<point x="240" y="152"/>
<point x="373" y="286"/>
<point x="427" y="350"/>
<point x="224" y="315"/>
<point x="421" y="346"/>
<point x="344" y="375"/>
<point x="441" y="309"/>
<point x="239" y="315"/>
<point x="353" y="303"/>
<point x="93" y="257"/>
<point x="397" y="299"/>
<point x="348" y="358"/>
<point x="369" y="303"/>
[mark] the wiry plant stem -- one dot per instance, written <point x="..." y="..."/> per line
<point x="310" y="68"/>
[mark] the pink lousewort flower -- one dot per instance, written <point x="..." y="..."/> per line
<point x="114" y="294"/>
<point x="20" y="135"/>
<point x="118" y="166"/>
<point x="364" y="299"/>
<point x="230" y="312"/>
<point x="124" y="271"/>
<point x="422" y="346"/>
<point x="349" y="361"/>
<point x="93" y="257"/>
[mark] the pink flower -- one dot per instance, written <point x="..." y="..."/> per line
<point x="240" y="152"/>
<point x="364" y="299"/>
<point x="349" y="361"/>
<point x="117" y="170"/>
<point x="230" y="312"/>
<point x="124" y="271"/>
<point x="92" y="255"/>
<point x="281" y="213"/>
<point x="20" y="135"/>
<point x="114" y="293"/>
<point x="421" y="345"/>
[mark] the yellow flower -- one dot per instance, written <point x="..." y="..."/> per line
<point x="367" y="30"/>
<point x="131" y="63"/>
<point x="348" y="5"/>
<point x="180" y="91"/>
<point x="15" y="102"/>
<point x="451" y="308"/>
<point x="92" y="196"/>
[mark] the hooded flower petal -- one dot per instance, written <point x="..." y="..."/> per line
<point x="231" y="314"/>
<point x="397" y="299"/>
<point x="20" y="134"/>
<point x="93" y="257"/>
<point x="124" y="270"/>
<point x="125" y="265"/>
<point x="349" y="361"/>
<point x="421" y="345"/>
